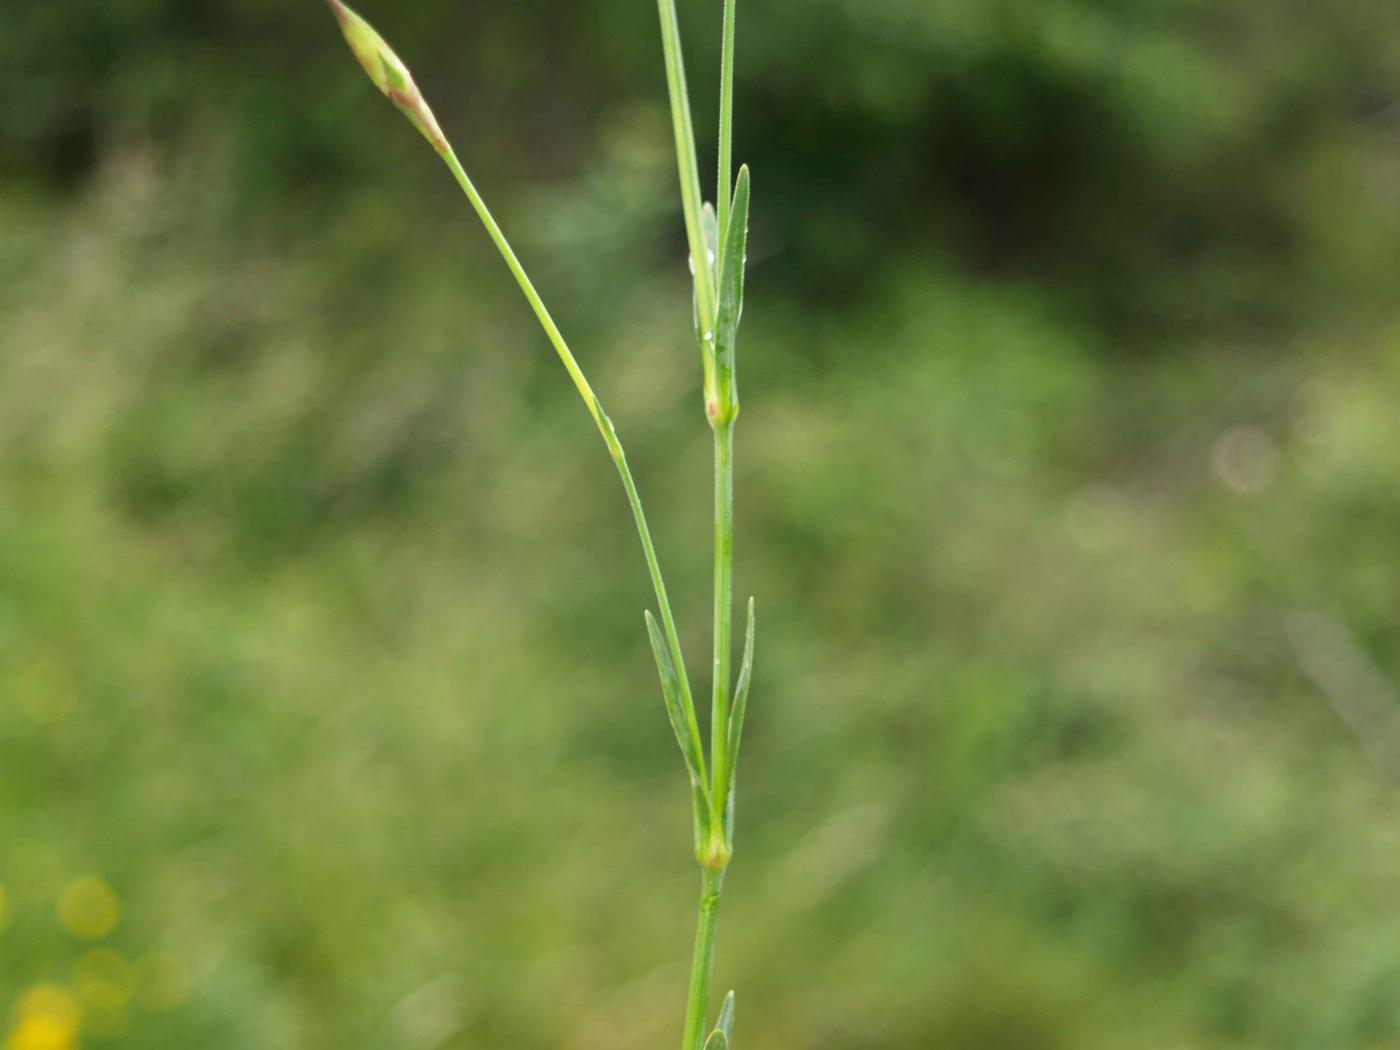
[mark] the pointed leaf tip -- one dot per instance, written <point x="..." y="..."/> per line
<point x="387" y="71"/>
<point x="733" y="254"/>
<point x="741" y="693"/>
<point x="725" y="1023"/>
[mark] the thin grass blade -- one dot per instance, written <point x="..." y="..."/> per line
<point x="682" y="722"/>
<point x="717" y="1041"/>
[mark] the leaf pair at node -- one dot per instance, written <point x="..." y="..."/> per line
<point x="713" y="802"/>
<point x="727" y="266"/>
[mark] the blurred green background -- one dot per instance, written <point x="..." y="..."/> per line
<point x="1069" y="485"/>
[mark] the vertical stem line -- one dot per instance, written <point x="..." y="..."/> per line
<point x="724" y="192"/>
<point x="703" y="962"/>
<point x="685" y="160"/>
<point x="724" y="605"/>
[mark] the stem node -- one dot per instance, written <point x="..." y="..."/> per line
<point x="718" y="852"/>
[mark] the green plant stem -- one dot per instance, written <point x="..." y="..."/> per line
<point x="705" y="297"/>
<point x="724" y="190"/>
<point x="713" y="812"/>
<point x="702" y="965"/>
<point x="605" y="427"/>
<point x="724" y="607"/>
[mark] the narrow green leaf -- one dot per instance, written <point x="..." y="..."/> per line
<point x="709" y="226"/>
<point x="731" y="293"/>
<point x="741" y="695"/>
<point x="725" y="1023"/>
<point x="709" y="232"/>
<point x="736" y="239"/>
<point x="717" y="1041"/>
<point x="388" y="72"/>
<point x="675" y="705"/>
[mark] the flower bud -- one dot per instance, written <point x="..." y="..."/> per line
<point x="388" y="72"/>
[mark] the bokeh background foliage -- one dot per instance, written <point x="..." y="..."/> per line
<point x="1069" y="483"/>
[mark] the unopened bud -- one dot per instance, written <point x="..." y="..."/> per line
<point x="388" y="72"/>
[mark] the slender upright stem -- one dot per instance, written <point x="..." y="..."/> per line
<point x="716" y="849"/>
<point x="724" y="606"/>
<point x="703" y="963"/>
<point x="527" y="286"/>
<point x="724" y="190"/>
<point x="710" y="790"/>
<point x="685" y="161"/>
<point x="595" y="409"/>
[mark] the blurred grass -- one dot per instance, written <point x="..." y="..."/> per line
<point x="1069" y="478"/>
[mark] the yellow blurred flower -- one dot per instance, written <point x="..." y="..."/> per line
<point x="42" y="1033"/>
<point x="45" y="1018"/>
<point x="89" y="909"/>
